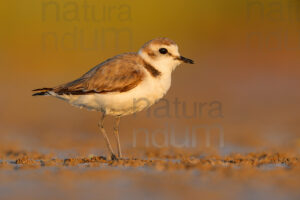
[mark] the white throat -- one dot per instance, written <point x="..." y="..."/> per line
<point x="165" y="66"/>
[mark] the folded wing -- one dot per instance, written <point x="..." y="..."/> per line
<point x="119" y="74"/>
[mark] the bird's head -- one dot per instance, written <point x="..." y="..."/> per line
<point x="163" y="54"/>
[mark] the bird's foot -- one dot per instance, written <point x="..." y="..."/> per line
<point x="114" y="157"/>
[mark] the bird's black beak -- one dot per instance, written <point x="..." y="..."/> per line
<point x="186" y="60"/>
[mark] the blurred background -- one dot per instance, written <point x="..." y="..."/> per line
<point x="242" y="94"/>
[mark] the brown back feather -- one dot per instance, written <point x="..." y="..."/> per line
<point x="119" y="74"/>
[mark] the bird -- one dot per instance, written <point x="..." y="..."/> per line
<point x="122" y="85"/>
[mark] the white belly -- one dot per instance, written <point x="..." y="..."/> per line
<point x="149" y="91"/>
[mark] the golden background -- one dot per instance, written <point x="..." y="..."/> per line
<point x="245" y="82"/>
<point x="246" y="54"/>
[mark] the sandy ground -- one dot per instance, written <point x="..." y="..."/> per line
<point x="153" y="174"/>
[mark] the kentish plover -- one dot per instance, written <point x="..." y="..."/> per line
<point x="116" y="86"/>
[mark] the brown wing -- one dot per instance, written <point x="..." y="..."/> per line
<point x="118" y="74"/>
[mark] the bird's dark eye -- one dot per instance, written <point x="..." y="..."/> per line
<point x="163" y="50"/>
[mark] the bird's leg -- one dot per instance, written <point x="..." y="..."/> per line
<point x="101" y="127"/>
<point x="116" y="133"/>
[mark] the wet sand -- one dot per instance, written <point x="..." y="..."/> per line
<point x="155" y="174"/>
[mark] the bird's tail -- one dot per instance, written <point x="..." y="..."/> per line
<point x="42" y="91"/>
